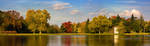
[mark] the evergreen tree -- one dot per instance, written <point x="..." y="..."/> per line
<point x="132" y="18"/>
<point x="142" y="23"/>
<point x="86" y="26"/>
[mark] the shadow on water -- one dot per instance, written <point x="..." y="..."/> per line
<point x="76" y="40"/>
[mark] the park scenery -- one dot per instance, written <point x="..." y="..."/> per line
<point x="36" y="21"/>
<point x="74" y="23"/>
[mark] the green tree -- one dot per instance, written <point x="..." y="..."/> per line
<point x="142" y="23"/>
<point x="134" y="24"/>
<point x="86" y="26"/>
<point x="53" y="29"/>
<point x="147" y="26"/>
<point x="99" y="24"/>
<point x="115" y="20"/>
<point x="62" y="28"/>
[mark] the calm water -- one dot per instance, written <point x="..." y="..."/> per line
<point x="75" y="40"/>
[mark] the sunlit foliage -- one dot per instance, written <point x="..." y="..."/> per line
<point x="37" y="20"/>
<point x="100" y="24"/>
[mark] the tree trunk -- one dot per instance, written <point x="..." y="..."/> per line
<point x="40" y="32"/>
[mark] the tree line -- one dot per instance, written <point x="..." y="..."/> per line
<point x="36" y="21"/>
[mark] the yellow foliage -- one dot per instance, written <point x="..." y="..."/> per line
<point x="37" y="20"/>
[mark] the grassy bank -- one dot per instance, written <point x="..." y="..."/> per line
<point x="20" y="34"/>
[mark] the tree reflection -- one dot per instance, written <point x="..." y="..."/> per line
<point x="36" y="41"/>
<point x="76" y="40"/>
<point x="100" y="40"/>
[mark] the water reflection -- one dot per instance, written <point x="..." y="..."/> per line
<point x="75" y="40"/>
<point x="116" y="40"/>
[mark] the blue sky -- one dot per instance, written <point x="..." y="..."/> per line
<point x="80" y="10"/>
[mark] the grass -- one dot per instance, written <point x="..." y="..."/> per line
<point x="22" y="34"/>
<point x="136" y="34"/>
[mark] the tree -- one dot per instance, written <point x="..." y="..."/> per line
<point x="147" y="26"/>
<point x="11" y="20"/>
<point x="75" y="27"/>
<point x="121" y="27"/>
<point x="100" y="24"/>
<point x="63" y="29"/>
<point x="134" y="24"/>
<point x="37" y="20"/>
<point x="2" y="21"/>
<point x="81" y="28"/>
<point x="115" y="20"/>
<point x="86" y="26"/>
<point x="67" y="27"/>
<point x="142" y="23"/>
<point x="53" y="29"/>
<point x="30" y="19"/>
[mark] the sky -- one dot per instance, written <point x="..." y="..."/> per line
<point x="79" y="10"/>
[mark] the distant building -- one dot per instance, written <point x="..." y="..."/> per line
<point x="115" y="30"/>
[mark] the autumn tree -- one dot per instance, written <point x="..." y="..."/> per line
<point x="37" y="20"/>
<point x="2" y="21"/>
<point x="67" y="27"/>
<point x="11" y="20"/>
<point x="75" y="27"/>
<point x="81" y="27"/>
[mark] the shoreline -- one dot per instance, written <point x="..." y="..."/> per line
<point x="26" y="34"/>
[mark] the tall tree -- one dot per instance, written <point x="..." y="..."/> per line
<point x="142" y="23"/>
<point x="31" y="21"/>
<point x="37" y="20"/>
<point x="132" y="18"/>
<point x="147" y="26"/>
<point x="86" y="26"/>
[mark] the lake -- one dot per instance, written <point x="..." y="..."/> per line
<point x="76" y="40"/>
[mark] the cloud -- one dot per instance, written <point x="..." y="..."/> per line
<point x="102" y="11"/>
<point x="92" y="13"/>
<point x="61" y="5"/>
<point x="59" y="19"/>
<point x="135" y="12"/>
<point x="73" y="12"/>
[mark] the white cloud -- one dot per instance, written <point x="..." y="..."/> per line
<point x="73" y="12"/>
<point x="59" y="19"/>
<point x="99" y="11"/>
<point x="61" y="5"/>
<point x="92" y="13"/>
<point x="135" y="12"/>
